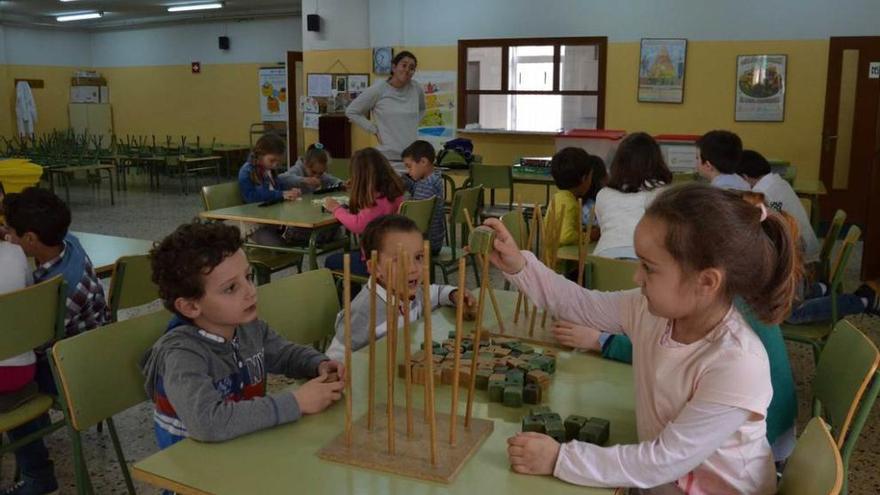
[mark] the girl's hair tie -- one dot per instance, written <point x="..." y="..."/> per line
<point x="763" y="211"/>
<point x="319" y="146"/>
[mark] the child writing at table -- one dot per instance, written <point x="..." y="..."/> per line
<point x="206" y="375"/>
<point x="257" y="184"/>
<point x="702" y="376"/>
<point x="309" y="173"/>
<point x="375" y="190"/>
<point x="385" y="235"/>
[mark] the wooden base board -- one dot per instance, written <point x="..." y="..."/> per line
<point x="369" y="449"/>
<point x="520" y="331"/>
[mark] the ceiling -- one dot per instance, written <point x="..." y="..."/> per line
<point x="131" y="13"/>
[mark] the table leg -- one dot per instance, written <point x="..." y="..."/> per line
<point x="313" y="249"/>
<point x="110" y="178"/>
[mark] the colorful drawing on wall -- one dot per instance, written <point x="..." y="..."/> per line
<point x="273" y="94"/>
<point x="661" y="70"/>
<point x="438" y="124"/>
<point x="760" y="88"/>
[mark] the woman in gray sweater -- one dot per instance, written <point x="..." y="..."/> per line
<point x="397" y="104"/>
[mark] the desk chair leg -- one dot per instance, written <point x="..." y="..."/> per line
<point x="110" y="178"/>
<point x="83" y="483"/>
<point x="120" y="456"/>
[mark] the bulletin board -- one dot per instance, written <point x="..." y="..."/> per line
<point x="330" y="92"/>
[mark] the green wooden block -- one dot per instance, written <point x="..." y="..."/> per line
<point x="481" y="240"/>
<point x="451" y="334"/>
<point x="483" y="379"/>
<point x="467" y="355"/>
<point x="532" y="394"/>
<point x="513" y="395"/>
<point x="533" y="423"/>
<point x="573" y="425"/>
<point x="435" y="346"/>
<point x="539" y="411"/>
<point x="555" y="429"/>
<point x="593" y="433"/>
<point x="516" y="377"/>
<point x="526" y="349"/>
<point x="496" y="391"/>
<point x="497" y="378"/>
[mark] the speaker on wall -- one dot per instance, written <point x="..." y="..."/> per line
<point x="313" y="22"/>
<point x="223" y="42"/>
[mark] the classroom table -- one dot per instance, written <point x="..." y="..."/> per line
<point x="300" y="213"/>
<point x="283" y="459"/>
<point x="66" y="172"/>
<point x="227" y="150"/>
<point x="519" y="177"/>
<point x="104" y="250"/>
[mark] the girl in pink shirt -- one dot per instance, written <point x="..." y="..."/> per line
<point x="375" y="191"/>
<point x="702" y="376"/>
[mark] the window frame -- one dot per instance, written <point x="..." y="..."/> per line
<point x="600" y="42"/>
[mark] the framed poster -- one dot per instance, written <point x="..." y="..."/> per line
<point x="438" y="124"/>
<point x="273" y="94"/>
<point x="382" y="59"/>
<point x="661" y="70"/>
<point x="760" y="88"/>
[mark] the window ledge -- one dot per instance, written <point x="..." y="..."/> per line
<point x="507" y="132"/>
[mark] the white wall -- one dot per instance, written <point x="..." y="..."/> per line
<point x="429" y="22"/>
<point x="46" y="47"/>
<point x="345" y="24"/>
<point x="263" y="40"/>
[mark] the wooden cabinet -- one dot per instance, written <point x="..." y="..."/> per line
<point x="334" y="132"/>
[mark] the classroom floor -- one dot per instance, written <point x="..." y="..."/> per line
<point x="144" y="214"/>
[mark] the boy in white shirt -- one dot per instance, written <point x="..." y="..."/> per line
<point x="779" y="195"/>
<point x="720" y="153"/>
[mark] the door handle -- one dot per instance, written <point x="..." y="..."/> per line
<point x="827" y="140"/>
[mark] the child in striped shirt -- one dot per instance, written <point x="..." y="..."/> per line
<point x="423" y="182"/>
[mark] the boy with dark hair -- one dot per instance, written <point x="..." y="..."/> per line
<point x="207" y="374"/>
<point x="572" y="172"/>
<point x="423" y="182"/>
<point x="37" y="221"/>
<point x="720" y="154"/>
<point x="779" y="195"/>
<point x="384" y="235"/>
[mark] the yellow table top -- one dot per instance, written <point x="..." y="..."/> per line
<point x="283" y="459"/>
<point x="813" y="187"/>
<point x="299" y="213"/>
<point x="104" y="250"/>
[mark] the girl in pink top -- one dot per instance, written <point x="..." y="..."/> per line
<point x="702" y="376"/>
<point x="375" y="191"/>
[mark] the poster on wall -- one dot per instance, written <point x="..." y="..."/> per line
<point x="438" y="124"/>
<point x="273" y="94"/>
<point x="661" y="70"/>
<point x="760" y="88"/>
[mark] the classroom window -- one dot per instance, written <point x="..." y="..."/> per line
<point x="546" y="84"/>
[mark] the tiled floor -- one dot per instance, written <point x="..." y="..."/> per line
<point x="140" y="213"/>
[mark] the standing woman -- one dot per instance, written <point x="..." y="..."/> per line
<point x="397" y="104"/>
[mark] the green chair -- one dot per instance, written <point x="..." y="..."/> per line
<point x="94" y="386"/>
<point x="609" y="274"/>
<point x="314" y="292"/>
<point x="264" y="259"/>
<point x="814" y="468"/>
<point x="516" y="224"/>
<point x="846" y="385"/>
<point x="340" y="167"/>
<point x="449" y="189"/>
<point x="465" y="199"/>
<point x="828" y="242"/>
<point x="131" y="284"/>
<point x="31" y="317"/>
<point x="815" y="334"/>
<point x="420" y="211"/>
<point x="493" y="177"/>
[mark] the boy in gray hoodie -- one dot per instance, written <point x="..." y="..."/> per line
<point x="384" y="235"/>
<point x="207" y="374"/>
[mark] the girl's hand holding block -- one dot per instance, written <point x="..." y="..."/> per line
<point x="481" y="240"/>
<point x="470" y="304"/>
<point x="504" y="253"/>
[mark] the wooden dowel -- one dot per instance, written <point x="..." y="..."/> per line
<point x="346" y="304"/>
<point x="459" y="322"/>
<point x="403" y="288"/>
<point x="476" y="350"/>
<point x="429" y="347"/>
<point x="371" y="401"/>
<point x="480" y="257"/>
<point x="390" y="315"/>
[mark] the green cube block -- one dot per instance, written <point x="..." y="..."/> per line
<point x="552" y="416"/>
<point x="496" y="391"/>
<point x="532" y="394"/>
<point x="483" y="379"/>
<point x="481" y="240"/>
<point x="593" y="433"/>
<point x="467" y="355"/>
<point x="539" y="411"/>
<point x="513" y="395"/>
<point x="451" y="334"/>
<point x="533" y="423"/>
<point x="526" y="349"/>
<point x="516" y="377"/>
<point x="573" y="425"/>
<point x="555" y="429"/>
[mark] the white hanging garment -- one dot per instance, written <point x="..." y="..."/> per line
<point x="25" y="108"/>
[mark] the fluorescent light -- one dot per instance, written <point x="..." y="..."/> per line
<point x="79" y="17"/>
<point x="197" y="6"/>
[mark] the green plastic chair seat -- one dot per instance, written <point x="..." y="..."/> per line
<point x="31" y="409"/>
<point x="608" y="274"/>
<point x="420" y="211"/>
<point x="132" y="284"/>
<point x="273" y="260"/>
<point x="314" y="290"/>
<point x="806" y="333"/>
<point x="815" y="467"/>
